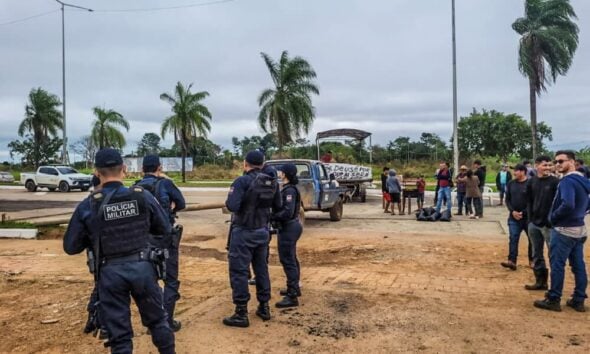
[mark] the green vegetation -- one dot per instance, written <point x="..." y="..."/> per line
<point x="105" y="131"/>
<point x="16" y="225"/>
<point x="548" y="43"/>
<point x="287" y="108"/>
<point x="190" y="118"/>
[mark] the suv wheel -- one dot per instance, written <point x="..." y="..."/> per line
<point x="64" y="186"/>
<point x="30" y="186"/>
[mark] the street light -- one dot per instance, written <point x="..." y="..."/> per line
<point x="64" y="154"/>
<point x="455" y="123"/>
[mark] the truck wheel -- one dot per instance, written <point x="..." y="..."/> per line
<point x="363" y="195"/>
<point x="301" y="216"/>
<point x="336" y="211"/>
<point x="30" y="186"/>
<point x="64" y="186"/>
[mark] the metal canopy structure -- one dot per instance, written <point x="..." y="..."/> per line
<point x="356" y="134"/>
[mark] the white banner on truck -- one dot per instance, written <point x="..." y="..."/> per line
<point x="169" y="164"/>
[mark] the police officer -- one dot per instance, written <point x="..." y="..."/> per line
<point x="171" y="201"/>
<point x="116" y="222"/>
<point x="250" y="199"/>
<point x="289" y="231"/>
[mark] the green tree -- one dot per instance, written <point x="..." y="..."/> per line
<point x="149" y="144"/>
<point x="548" y="43"/>
<point x="190" y="118"/>
<point x="33" y="153"/>
<point x="85" y="147"/>
<point x="287" y="109"/>
<point x="105" y="131"/>
<point x="492" y="133"/>
<point x="42" y="120"/>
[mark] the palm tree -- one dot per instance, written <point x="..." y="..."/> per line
<point x="105" y="131"/>
<point x="190" y="118"/>
<point x="42" y="119"/>
<point x="287" y="109"/>
<point x="548" y="43"/>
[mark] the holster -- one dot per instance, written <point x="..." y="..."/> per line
<point x="177" y="235"/>
<point x="91" y="261"/>
<point x="159" y="256"/>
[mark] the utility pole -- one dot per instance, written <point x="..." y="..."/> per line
<point x="455" y="123"/>
<point x="64" y="154"/>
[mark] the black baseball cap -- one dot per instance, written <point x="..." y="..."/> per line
<point x="107" y="158"/>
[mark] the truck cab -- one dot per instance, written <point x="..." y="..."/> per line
<point x="318" y="191"/>
<point x="64" y="178"/>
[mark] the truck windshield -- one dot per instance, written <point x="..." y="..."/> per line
<point x="67" y="170"/>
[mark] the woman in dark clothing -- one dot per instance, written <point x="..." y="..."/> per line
<point x="289" y="231"/>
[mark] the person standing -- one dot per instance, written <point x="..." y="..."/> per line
<point x="480" y="172"/>
<point x="171" y="201"/>
<point x="583" y="169"/>
<point x="289" y="232"/>
<point x="541" y="190"/>
<point x="116" y="222"/>
<point x="472" y="195"/>
<point x="444" y="179"/>
<point x="502" y="179"/>
<point x="395" y="192"/>
<point x="516" y="202"/>
<point x="384" y="191"/>
<point x="570" y="206"/>
<point x="461" y="190"/>
<point x="421" y="187"/>
<point x="251" y="198"/>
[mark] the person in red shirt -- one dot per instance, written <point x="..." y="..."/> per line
<point x="327" y="157"/>
<point x="421" y="185"/>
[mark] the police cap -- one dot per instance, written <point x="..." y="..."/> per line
<point x="289" y="169"/>
<point x="107" y="158"/>
<point x="151" y="161"/>
<point x="255" y="158"/>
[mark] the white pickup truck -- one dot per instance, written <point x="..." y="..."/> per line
<point x="63" y="178"/>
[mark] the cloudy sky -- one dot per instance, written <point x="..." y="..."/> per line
<point x="383" y="65"/>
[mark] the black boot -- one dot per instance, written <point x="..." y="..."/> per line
<point x="540" y="280"/>
<point x="576" y="305"/>
<point x="90" y="323"/>
<point x="548" y="304"/>
<point x="290" y="300"/>
<point x="239" y="318"/>
<point x="283" y="292"/>
<point x="263" y="311"/>
<point x="175" y="325"/>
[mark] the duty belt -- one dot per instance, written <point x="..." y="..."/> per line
<point x="143" y="255"/>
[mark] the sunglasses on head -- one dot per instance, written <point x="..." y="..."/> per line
<point x="559" y="161"/>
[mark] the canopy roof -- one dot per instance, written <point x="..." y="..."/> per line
<point x="353" y="133"/>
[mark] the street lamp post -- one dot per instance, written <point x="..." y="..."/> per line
<point x="64" y="154"/>
<point x="455" y="123"/>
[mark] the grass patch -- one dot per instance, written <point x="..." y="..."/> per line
<point x="16" y="225"/>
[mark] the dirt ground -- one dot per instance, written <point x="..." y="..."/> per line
<point x="372" y="283"/>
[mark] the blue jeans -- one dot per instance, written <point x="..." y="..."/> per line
<point x="539" y="236"/>
<point x="515" y="228"/>
<point x="561" y="249"/>
<point x="444" y="193"/>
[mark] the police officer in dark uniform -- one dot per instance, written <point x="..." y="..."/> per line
<point x="289" y="231"/>
<point x="171" y="201"/>
<point x="251" y="198"/>
<point x="116" y="223"/>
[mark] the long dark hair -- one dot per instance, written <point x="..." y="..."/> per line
<point x="469" y="174"/>
<point x="294" y="180"/>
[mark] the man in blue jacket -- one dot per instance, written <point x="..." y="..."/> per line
<point x="570" y="206"/>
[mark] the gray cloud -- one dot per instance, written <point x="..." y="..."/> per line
<point x="383" y="65"/>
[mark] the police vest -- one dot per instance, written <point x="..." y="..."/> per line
<point x="154" y="186"/>
<point x="120" y="221"/>
<point x="258" y="199"/>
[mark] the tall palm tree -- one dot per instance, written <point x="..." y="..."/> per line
<point x="105" y="130"/>
<point x="190" y="118"/>
<point x="548" y="43"/>
<point x="287" y="110"/>
<point x="42" y="119"/>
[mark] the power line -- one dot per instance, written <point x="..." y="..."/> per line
<point x="153" y="9"/>
<point x="28" y="18"/>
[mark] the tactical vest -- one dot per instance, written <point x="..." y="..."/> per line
<point x="154" y="186"/>
<point x="258" y="199"/>
<point x="121" y="221"/>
